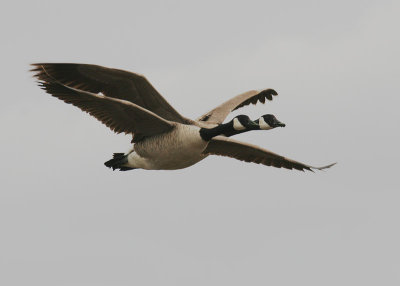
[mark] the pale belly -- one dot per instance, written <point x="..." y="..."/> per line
<point x="178" y="149"/>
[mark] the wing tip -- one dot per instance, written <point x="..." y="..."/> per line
<point x="324" y="167"/>
<point x="36" y="68"/>
<point x="269" y="91"/>
<point x="41" y="74"/>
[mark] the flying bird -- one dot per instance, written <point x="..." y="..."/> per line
<point x="162" y="138"/>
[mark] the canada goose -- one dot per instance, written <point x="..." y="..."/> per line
<point x="163" y="139"/>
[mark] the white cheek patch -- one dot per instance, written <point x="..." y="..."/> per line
<point x="237" y="125"/>
<point x="263" y="125"/>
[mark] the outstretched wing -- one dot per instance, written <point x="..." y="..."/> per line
<point x="112" y="83"/>
<point x="223" y="146"/>
<point x="119" y="115"/>
<point x="218" y="114"/>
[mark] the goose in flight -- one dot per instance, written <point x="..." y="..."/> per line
<point x="163" y="139"/>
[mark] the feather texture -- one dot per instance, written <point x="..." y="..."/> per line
<point x="227" y="147"/>
<point x="113" y="83"/>
<point x="120" y="116"/>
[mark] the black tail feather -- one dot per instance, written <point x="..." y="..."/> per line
<point x="117" y="162"/>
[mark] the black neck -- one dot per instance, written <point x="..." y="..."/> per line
<point x="232" y="131"/>
<point x="222" y="129"/>
<point x="207" y="134"/>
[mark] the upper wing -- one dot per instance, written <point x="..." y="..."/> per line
<point x="250" y="153"/>
<point x="112" y="83"/>
<point x="119" y="115"/>
<point x="218" y="114"/>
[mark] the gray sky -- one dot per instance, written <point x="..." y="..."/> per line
<point x="65" y="219"/>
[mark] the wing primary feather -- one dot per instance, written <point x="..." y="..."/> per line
<point x="120" y="116"/>
<point x="218" y="114"/>
<point x="113" y="83"/>
<point x="228" y="147"/>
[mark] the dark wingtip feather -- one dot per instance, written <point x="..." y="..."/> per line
<point x="268" y="93"/>
<point x="325" y="167"/>
<point x="37" y="69"/>
<point x="259" y="97"/>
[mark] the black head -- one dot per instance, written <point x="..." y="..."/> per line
<point x="269" y="121"/>
<point x="243" y="122"/>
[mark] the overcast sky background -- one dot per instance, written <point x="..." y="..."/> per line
<point x="66" y="219"/>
